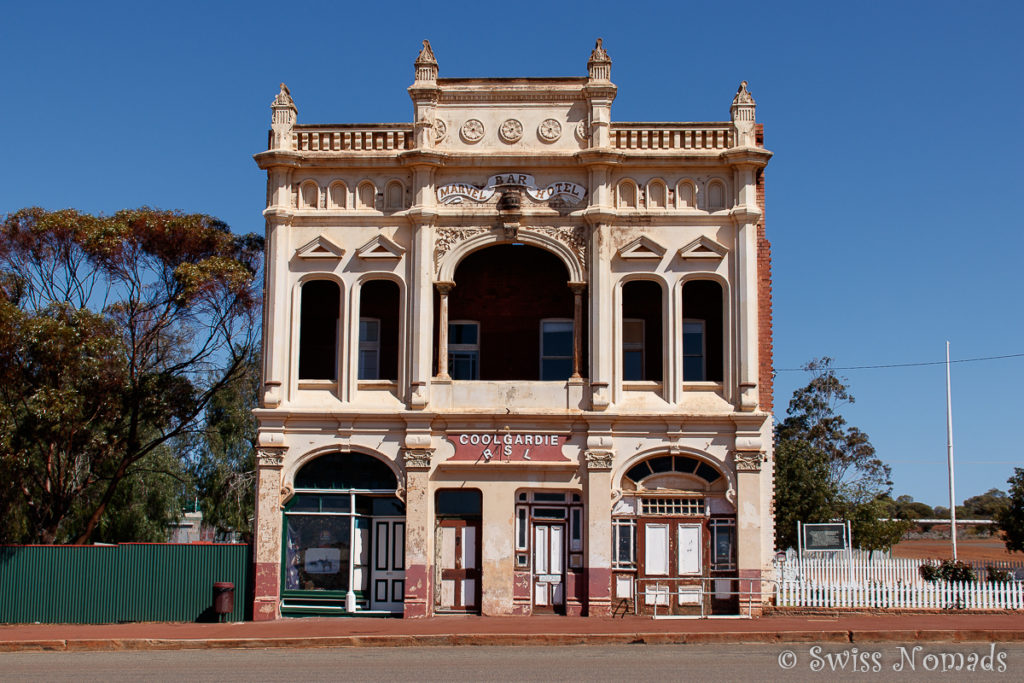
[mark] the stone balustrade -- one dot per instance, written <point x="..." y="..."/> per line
<point x="674" y="136"/>
<point x="347" y="138"/>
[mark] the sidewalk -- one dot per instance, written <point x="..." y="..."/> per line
<point x="539" y="630"/>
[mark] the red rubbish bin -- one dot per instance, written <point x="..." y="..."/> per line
<point x="223" y="599"/>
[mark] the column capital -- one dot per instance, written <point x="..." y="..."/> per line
<point x="417" y="458"/>
<point x="444" y="286"/>
<point x="271" y="457"/>
<point x="599" y="460"/>
<point x="748" y="461"/>
<point x="578" y="287"/>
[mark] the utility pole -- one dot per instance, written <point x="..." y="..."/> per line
<point x="949" y="451"/>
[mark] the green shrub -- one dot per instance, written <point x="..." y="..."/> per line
<point x="947" y="571"/>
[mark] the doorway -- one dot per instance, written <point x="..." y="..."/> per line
<point x="458" y="549"/>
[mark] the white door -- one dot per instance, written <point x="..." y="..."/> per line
<point x="387" y="574"/>
<point x="548" y="565"/>
<point x="689" y="549"/>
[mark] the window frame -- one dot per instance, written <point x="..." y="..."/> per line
<point x="543" y="357"/>
<point x="703" y="349"/>
<point x="632" y="346"/>
<point x="464" y="348"/>
<point x="366" y="345"/>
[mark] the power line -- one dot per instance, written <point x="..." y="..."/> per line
<point x="908" y="365"/>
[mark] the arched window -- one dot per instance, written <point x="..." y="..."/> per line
<point x="337" y="195"/>
<point x="510" y="316"/>
<point x="309" y="195"/>
<point x="657" y="195"/>
<point x="379" y="302"/>
<point x="626" y="196"/>
<point x="702" y="331"/>
<point x="716" y="195"/>
<point x="686" y="195"/>
<point x="318" y="330"/>
<point x="641" y="331"/>
<point x="394" y="196"/>
<point x="365" y="195"/>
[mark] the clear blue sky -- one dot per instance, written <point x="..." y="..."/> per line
<point x="897" y="130"/>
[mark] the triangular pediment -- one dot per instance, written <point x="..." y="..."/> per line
<point x="642" y="247"/>
<point x="703" y="247"/>
<point x="320" y="247"/>
<point x="381" y="246"/>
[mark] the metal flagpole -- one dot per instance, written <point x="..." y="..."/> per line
<point x="949" y="450"/>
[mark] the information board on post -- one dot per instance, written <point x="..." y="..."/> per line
<point x="825" y="537"/>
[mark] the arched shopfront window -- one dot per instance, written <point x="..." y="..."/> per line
<point x="344" y="537"/>
<point x="318" y="330"/>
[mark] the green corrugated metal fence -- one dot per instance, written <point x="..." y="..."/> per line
<point x="127" y="582"/>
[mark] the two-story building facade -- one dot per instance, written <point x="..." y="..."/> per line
<point x="517" y="357"/>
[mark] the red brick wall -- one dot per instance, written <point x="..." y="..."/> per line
<point x="764" y="298"/>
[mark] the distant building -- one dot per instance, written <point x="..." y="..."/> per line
<point x="517" y="357"/>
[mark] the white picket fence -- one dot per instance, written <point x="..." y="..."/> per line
<point x="884" y="582"/>
<point x="938" y="595"/>
<point x="828" y="570"/>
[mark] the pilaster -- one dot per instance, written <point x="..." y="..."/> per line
<point x="267" y="553"/>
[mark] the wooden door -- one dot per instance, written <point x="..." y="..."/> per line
<point x="548" y="566"/>
<point x="458" y="585"/>
<point x="387" y="576"/>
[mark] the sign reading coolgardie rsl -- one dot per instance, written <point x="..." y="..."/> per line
<point x="507" y="446"/>
<point x="455" y="193"/>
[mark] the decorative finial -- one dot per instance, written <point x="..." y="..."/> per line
<point x="284" y="98"/>
<point x="742" y="95"/>
<point x="426" y="54"/>
<point x="599" y="66"/>
<point x="426" y="64"/>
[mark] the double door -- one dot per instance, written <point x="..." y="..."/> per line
<point x="673" y="565"/>
<point x="458" y="566"/>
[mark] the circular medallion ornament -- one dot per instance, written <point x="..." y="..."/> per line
<point x="473" y="130"/>
<point x="582" y="131"/>
<point x="549" y="130"/>
<point x="511" y="130"/>
<point x="440" y="130"/>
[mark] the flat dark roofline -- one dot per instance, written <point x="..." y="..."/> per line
<point x="574" y="80"/>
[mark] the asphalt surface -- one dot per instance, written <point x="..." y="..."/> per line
<point x="731" y="662"/>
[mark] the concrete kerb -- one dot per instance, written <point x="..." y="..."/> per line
<point x="517" y="639"/>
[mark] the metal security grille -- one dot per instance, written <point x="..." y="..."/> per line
<point x="672" y="506"/>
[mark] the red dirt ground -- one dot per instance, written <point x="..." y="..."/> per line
<point x="966" y="549"/>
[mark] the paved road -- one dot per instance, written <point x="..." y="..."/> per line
<point x="575" y="663"/>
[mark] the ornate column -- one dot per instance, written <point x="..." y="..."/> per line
<point x="599" y="530"/>
<point x="417" y="532"/>
<point x="443" y="289"/>
<point x="267" y="553"/>
<point x="749" y="537"/>
<point x="578" y="288"/>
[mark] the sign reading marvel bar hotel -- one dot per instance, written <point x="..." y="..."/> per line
<point x="507" y="446"/>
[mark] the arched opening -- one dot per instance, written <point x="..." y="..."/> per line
<point x="365" y="195"/>
<point x="344" y="538"/>
<point x="657" y="195"/>
<point x="674" y="532"/>
<point x="642" y="340"/>
<point x="716" y="196"/>
<point x="320" y="305"/>
<point x="379" y="305"/>
<point x="702" y="331"/>
<point x="626" y="195"/>
<point x="686" y="195"/>
<point x="309" y="195"/>
<point x="394" y="196"/>
<point x="337" y="195"/>
<point x="510" y="317"/>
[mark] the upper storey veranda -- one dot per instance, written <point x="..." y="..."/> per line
<point x="552" y="117"/>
